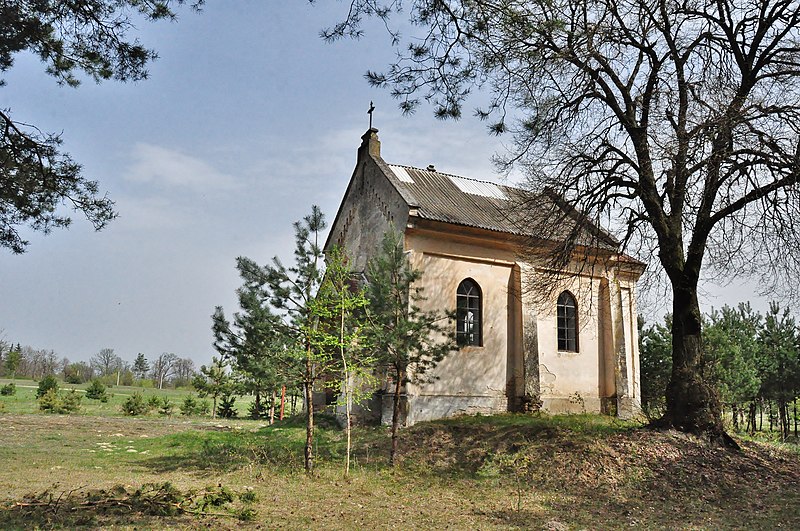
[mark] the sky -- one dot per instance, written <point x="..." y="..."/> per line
<point x="247" y="120"/>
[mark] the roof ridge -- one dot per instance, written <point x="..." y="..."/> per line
<point x="453" y="175"/>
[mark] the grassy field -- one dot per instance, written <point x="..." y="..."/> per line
<point x="24" y="401"/>
<point x="499" y="472"/>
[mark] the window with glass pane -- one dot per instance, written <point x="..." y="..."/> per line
<point x="567" y="320"/>
<point x="468" y="313"/>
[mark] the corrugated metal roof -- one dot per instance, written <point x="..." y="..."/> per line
<point x="471" y="186"/>
<point x="460" y="200"/>
<point x="401" y="173"/>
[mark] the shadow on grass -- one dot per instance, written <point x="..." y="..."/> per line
<point x="280" y="446"/>
<point x="463" y="447"/>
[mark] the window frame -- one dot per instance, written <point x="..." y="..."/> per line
<point x="567" y="336"/>
<point x="470" y="300"/>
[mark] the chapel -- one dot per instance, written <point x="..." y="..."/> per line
<point x="573" y="348"/>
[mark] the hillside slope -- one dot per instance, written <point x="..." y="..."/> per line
<point x="588" y="471"/>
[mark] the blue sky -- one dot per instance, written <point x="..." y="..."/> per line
<point x="248" y="119"/>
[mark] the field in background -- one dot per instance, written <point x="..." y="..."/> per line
<point x="25" y="399"/>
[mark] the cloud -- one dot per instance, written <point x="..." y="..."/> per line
<point x="149" y="214"/>
<point x="172" y="169"/>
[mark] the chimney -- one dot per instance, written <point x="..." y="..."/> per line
<point x="370" y="145"/>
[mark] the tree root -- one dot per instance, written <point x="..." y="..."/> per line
<point x="715" y="435"/>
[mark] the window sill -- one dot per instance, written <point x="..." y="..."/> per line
<point x="471" y="348"/>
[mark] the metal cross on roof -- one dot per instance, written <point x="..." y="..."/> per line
<point x="371" y="108"/>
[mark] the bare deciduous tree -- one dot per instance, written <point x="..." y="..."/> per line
<point x="184" y="371"/>
<point x="676" y="122"/>
<point x="106" y="362"/>
<point x="163" y="368"/>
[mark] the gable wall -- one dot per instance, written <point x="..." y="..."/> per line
<point x="370" y="207"/>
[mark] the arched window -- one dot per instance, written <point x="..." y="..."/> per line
<point x="468" y="313"/>
<point x="567" y="318"/>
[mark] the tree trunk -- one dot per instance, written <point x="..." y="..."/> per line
<point x="348" y="427"/>
<point x="283" y="401"/>
<point x="346" y="373"/>
<point x="398" y="383"/>
<point x="309" y="452"/>
<point x="272" y="409"/>
<point x="692" y="404"/>
<point x="257" y="406"/>
<point x="783" y="419"/>
<point x="771" y="416"/>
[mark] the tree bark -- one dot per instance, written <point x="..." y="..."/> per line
<point x="783" y="419"/>
<point x="771" y="416"/>
<point x="272" y="409"/>
<point x="309" y="451"/>
<point x="283" y="401"/>
<point x="398" y="383"/>
<point x="692" y="404"/>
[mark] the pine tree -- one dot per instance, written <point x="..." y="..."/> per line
<point x="731" y="350"/>
<point x="141" y="367"/>
<point x="255" y="343"/>
<point x="214" y="381"/>
<point x="780" y="367"/>
<point x="406" y="341"/>
<point x="72" y="39"/>
<point x="290" y="291"/>
<point x="655" y="361"/>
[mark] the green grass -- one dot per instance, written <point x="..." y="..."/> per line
<point x="24" y="401"/>
<point x="482" y="472"/>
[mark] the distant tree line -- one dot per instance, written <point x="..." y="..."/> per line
<point x="164" y="370"/>
<point x="752" y="360"/>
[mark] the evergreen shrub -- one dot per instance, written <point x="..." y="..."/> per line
<point x="227" y="409"/>
<point x="167" y="407"/>
<point x="154" y="402"/>
<point x="135" y="405"/>
<point x="54" y="402"/>
<point x="46" y="384"/>
<point x="97" y="391"/>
